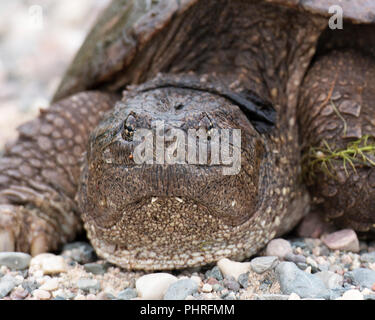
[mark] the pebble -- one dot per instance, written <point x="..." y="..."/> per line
<point x="230" y="296"/>
<point x="207" y="288"/>
<point x="296" y="258"/>
<point x="95" y="268"/>
<point x="180" y="289"/>
<point x="212" y="281"/>
<point x="88" y="284"/>
<point x="330" y="279"/>
<point x="50" y="285"/>
<point x="362" y="277"/>
<point x="15" y="260"/>
<point x="104" y="296"/>
<point x="81" y="252"/>
<point x="294" y="296"/>
<point x="345" y="239"/>
<point x="351" y="295"/>
<point x="30" y="285"/>
<point x="311" y="262"/>
<point x="48" y="263"/>
<point x="7" y="283"/>
<point x="292" y="279"/>
<point x="19" y="293"/>
<point x="231" y="284"/>
<point x="272" y="297"/>
<point x="263" y="264"/>
<point x="368" y="257"/>
<point x="215" y="273"/>
<point x="231" y="268"/>
<point x="278" y="247"/>
<point x="217" y="287"/>
<point x="41" y="294"/>
<point x="243" y="280"/>
<point x="127" y="294"/>
<point x="154" y="286"/>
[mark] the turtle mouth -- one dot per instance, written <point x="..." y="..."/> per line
<point x="176" y="227"/>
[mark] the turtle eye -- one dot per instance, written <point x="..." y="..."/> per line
<point x="129" y="128"/>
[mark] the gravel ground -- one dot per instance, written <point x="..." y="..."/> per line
<point x="287" y="269"/>
<point x="314" y="263"/>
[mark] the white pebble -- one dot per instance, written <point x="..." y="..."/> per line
<point x="153" y="286"/>
<point x="233" y="268"/>
<point x="351" y="295"/>
<point x="41" y="294"/>
<point x="50" y="285"/>
<point x="308" y="269"/>
<point x="49" y="263"/>
<point x="207" y="288"/>
<point x="294" y="296"/>
<point x="311" y="262"/>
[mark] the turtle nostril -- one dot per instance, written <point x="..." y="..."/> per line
<point x="179" y="106"/>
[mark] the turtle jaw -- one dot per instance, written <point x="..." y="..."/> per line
<point x="155" y="228"/>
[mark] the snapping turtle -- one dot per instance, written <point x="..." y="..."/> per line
<point x="298" y="91"/>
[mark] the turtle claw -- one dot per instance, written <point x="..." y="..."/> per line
<point x="23" y="230"/>
<point x="39" y="244"/>
<point x="7" y="242"/>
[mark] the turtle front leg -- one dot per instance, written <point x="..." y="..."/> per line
<point x="337" y="127"/>
<point x="39" y="174"/>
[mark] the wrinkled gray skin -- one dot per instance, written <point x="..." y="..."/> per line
<point x="155" y="217"/>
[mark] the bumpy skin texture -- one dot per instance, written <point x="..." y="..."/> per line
<point x="39" y="174"/>
<point x="343" y="80"/>
<point x="165" y="217"/>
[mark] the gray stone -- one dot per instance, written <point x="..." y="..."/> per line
<point x="330" y="279"/>
<point x="127" y="294"/>
<point x="296" y="258"/>
<point x="263" y="264"/>
<point x="362" y="277"/>
<point x="95" y="268"/>
<point x="30" y="286"/>
<point x="337" y="293"/>
<point x="293" y="280"/>
<point x="243" y="280"/>
<point x="217" y="287"/>
<point x="214" y="273"/>
<point x="368" y="257"/>
<point x="231" y="284"/>
<point x="15" y="260"/>
<point x="81" y="252"/>
<point x="302" y="266"/>
<point x="272" y="297"/>
<point x="88" y="284"/>
<point x="7" y="283"/>
<point x="181" y="289"/>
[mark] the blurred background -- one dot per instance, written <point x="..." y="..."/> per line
<point x="38" y="39"/>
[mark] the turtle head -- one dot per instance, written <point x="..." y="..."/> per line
<point x="173" y="170"/>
